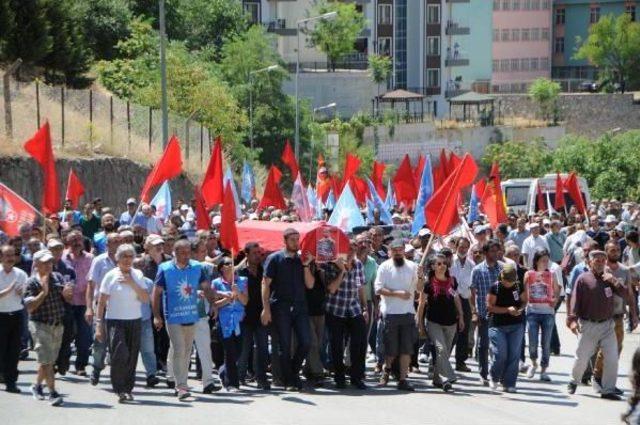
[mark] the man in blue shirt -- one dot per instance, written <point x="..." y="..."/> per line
<point x="284" y="301"/>
<point x="126" y="218"/>
<point x="177" y="285"/>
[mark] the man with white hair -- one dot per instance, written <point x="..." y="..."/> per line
<point x="533" y="243"/>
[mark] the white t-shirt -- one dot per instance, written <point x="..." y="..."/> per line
<point x="12" y="301"/>
<point x="531" y="245"/>
<point x="123" y="302"/>
<point x="462" y="275"/>
<point x="394" y="278"/>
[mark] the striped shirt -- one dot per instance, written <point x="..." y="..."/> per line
<point x="482" y="278"/>
<point x="345" y="302"/>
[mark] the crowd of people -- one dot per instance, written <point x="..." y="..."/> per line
<point x="114" y="288"/>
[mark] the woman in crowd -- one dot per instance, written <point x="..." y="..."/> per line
<point x="232" y="293"/>
<point x="544" y="289"/>
<point x="632" y="417"/>
<point x="506" y="302"/>
<point x="122" y="293"/>
<point x="444" y="317"/>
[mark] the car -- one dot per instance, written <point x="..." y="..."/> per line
<point x="521" y="195"/>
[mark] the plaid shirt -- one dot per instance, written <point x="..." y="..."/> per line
<point x="52" y="310"/>
<point x="346" y="302"/>
<point x="482" y="278"/>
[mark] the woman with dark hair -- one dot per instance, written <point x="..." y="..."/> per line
<point x="444" y="317"/>
<point x="232" y="297"/>
<point x="632" y="417"/>
<point x="544" y="291"/>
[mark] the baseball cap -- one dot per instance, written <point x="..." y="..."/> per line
<point x="610" y="219"/>
<point x="54" y="243"/>
<point x="154" y="240"/>
<point x="42" y="256"/>
<point x="131" y="201"/>
<point x="396" y="243"/>
<point x="290" y="231"/>
<point x="216" y="219"/>
<point x="424" y="232"/>
<point x="184" y="207"/>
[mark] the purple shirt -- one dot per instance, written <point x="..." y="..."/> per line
<point x="81" y="264"/>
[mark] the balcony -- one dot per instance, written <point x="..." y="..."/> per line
<point x="279" y="26"/>
<point x="456" y="61"/>
<point x="454" y="28"/>
<point x="458" y="1"/>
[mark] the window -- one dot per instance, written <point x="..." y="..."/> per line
<point x="526" y="4"/>
<point x="524" y="64"/>
<point x="496" y="35"/>
<point x="433" y="77"/>
<point x="433" y="14"/>
<point x="560" y="17"/>
<point x="506" y="4"/>
<point x="496" y="4"/>
<point x="433" y="46"/>
<point x="253" y="11"/>
<point x="385" y="16"/>
<point x="544" y="63"/>
<point x="535" y="34"/>
<point x="594" y="15"/>
<point x="559" y="45"/>
<point x="534" y="64"/>
<point x="546" y="4"/>
<point x="545" y="34"/>
<point x="631" y="10"/>
<point x="515" y="64"/>
<point x="515" y="5"/>
<point x="515" y="34"/>
<point x="504" y="65"/>
<point x="535" y="4"/>
<point x="496" y="65"/>
<point x="524" y="36"/>
<point x="505" y="35"/>
<point x="384" y="46"/>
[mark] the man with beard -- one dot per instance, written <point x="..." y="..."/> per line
<point x="396" y="283"/>
<point x="100" y="238"/>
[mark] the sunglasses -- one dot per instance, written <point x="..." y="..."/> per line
<point x="440" y="263"/>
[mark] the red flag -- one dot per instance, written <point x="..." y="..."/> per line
<point x="289" y="159"/>
<point x="441" y="211"/>
<point x="228" y="230"/>
<point x="272" y="196"/>
<point x="360" y="189"/>
<point x="320" y="160"/>
<point x="492" y="201"/>
<point x="75" y="189"/>
<point x="438" y="177"/>
<point x="444" y="164"/>
<point x="351" y="166"/>
<point x="376" y="178"/>
<point x="559" y="201"/>
<point x="454" y="161"/>
<point x="203" y="221"/>
<point x="573" y="187"/>
<point x="168" y="167"/>
<point x="403" y="183"/>
<point x="40" y="149"/>
<point x="480" y="187"/>
<point x="211" y="188"/>
<point x="417" y="172"/>
<point x="309" y="242"/>
<point x="14" y="211"/>
<point x="540" y="199"/>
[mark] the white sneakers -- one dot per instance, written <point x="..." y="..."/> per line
<point x="532" y="371"/>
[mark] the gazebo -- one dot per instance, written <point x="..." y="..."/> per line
<point x="468" y="100"/>
<point x="399" y="96"/>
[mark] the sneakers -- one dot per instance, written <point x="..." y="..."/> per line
<point x="183" y="394"/>
<point x="447" y="387"/>
<point x="571" y="388"/>
<point x="484" y="382"/>
<point x="531" y="371"/>
<point x="37" y="392"/>
<point x="384" y="378"/>
<point x="129" y="396"/>
<point x="611" y="396"/>
<point x="423" y="358"/>
<point x="55" y="399"/>
<point x="95" y="378"/>
<point x="210" y="388"/>
<point x="122" y="398"/>
<point x="544" y="377"/>
<point x="171" y="384"/>
<point x="493" y="384"/>
<point x="523" y="367"/>
<point x="511" y="390"/>
<point x="152" y="381"/>
<point x="13" y="389"/>
<point x="264" y="385"/>
<point x="403" y="385"/>
<point x="463" y="368"/>
<point x="359" y="384"/>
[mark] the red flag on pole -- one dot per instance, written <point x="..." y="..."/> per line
<point x="376" y="178"/>
<point x="272" y="196"/>
<point x="403" y="183"/>
<point x="228" y="230"/>
<point x="351" y="166"/>
<point x="14" y="211"/>
<point x="444" y="164"/>
<point x="360" y="190"/>
<point x="540" y="199"/>
<point x="438" y="177"/>
<point x="442" y="209"/>
<point x="289" y="159"/>
<point x="417" y="172"/>
<point x="573" y="187"/>
<point x="75" y="189"/>
<point x="168" y="167"/>
<point x="211" y="188"/>
<point x="492" y="201"/>
<point x="559" y="201"/>
<point x="203" y="221"/>
<point x="40" y="149"/>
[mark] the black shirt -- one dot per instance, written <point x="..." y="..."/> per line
<point x="506" y="297"/>
<point x="441" y="308"/>
<point x="287" y="280"/>
<point x="381" y="255"/>
<point x="253" y="309"/>
<point x="317" y="296"/>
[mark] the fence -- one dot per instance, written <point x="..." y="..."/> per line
<point x="92" y="122"/>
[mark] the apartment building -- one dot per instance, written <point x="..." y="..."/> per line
<point x="521" y="43"/>
<point x="572" y="19"/>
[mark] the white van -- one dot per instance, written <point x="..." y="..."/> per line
<point x="521" y="195"/>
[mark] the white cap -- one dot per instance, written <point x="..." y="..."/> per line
<point x="184" y="207"/>
<point x="610" y="219"/>
<point x="131" y="201"/>
<point x="154" y="240"/>
<point x="408" y="248"/>
<point x="216" y="219"/>
<point x="54" y="243"/>
<point x="424" y="232"/>
<point x="42" y="256"/>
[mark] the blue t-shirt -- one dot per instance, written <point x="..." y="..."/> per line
<point x="232" y="314"/>
<point x="180" y="291"/>
<point x="100" y="242"/>
<point x="287" y="280"/>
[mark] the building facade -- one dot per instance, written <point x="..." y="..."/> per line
<point x="521" y="43"/>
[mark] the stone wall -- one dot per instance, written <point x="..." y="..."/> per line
<point x="112" y="179"/>
<point x="585" y="114"/>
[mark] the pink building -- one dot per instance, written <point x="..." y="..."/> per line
<point x="521" y="43"/>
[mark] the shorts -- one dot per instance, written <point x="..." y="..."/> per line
<point x="48" y="339"/>
<point x="400" y="334"/>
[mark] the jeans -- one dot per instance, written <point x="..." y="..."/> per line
<point x="355" y="329"/>
<point x="286" y="320"/>
<point x="254" y="340"/>
<point x="462" y="337"/>
<point x="372" y="326"/>
<point x="555" y="338"/>
<point x="147" y="351"/>
<point x="505" y="350"/>
<point x="540" y="324"/>
<point x="82" y="336"/>
<point x="379" y="341"/>
<point x="124" y="345"/>
<point x="179" y="357"/>
<point x="482" y="349"/>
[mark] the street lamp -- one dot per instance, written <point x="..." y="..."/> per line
<point x="251" y="74"/>
<point x="332" y="105"/>
<point x="323" y="17"/>
<point x="163" y="75"/>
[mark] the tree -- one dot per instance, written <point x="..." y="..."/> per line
<point x="545" y="93"/>
<point x="613" y="45"/>
<point x="7" y="24"/>
<point x="336" y="37"/>
<point x="106" y="22"/>
<point x="380" y="69"/>
<point x="30" y="39"/>
<point x="519" y="159"/>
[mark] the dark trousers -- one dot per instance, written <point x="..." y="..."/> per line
<point x="254" y="346"/>
<point x="355" y="329"/>
<point x="161" y="347"/>
<point x="285" y="321"/>
<point x="462" y="337"/>
<point x="229" y="370"/>
<point x="64" y="354"/>
<point x="10" y="334"/>
<point x="76" y="329"/>
<point x="555" y="338"/>
<point x="482" y="349"/>
<point x="124" y="346"/>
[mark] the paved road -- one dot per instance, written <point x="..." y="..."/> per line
<point x="534" y="403"/>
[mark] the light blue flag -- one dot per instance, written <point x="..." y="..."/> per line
<point x="424" y="194"/>
<point x="376" y="201"/>
<point x="228" y="177"/>
<point x="473" y="206"/>
<point x="370" y="208"/>
<point x="248" y="183"/>
<point x="313" y="202"/>
<point x="162" y="201"/>
<point x="390" y="201"/>
<point x="346" y="214"/>
<point x="331" y="201"/>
